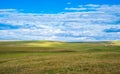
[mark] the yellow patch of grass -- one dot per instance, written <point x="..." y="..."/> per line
<point x="44" y="44"/>
<point x="117" y="43"/>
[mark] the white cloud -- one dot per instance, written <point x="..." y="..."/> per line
<point x="92" y="5"/>
<point x="68" y="26"/>
<point x="69" y="3"/>
<point x="109" y="8"/>
<point x="77" y="9"/>
<point x="8" y="10"/>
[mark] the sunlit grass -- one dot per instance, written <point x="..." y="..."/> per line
<point x="117" y="43"/>
<point x="43" y="44"/>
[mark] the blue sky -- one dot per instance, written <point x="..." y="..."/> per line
<point x="47" y="6"/>
<point x="61" y="20"/>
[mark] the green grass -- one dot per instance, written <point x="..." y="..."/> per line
<point x="50" y="57"/>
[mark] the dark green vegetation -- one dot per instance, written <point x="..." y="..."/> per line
<point x="48" y="57"/>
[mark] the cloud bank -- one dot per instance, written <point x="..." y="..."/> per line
<point x="83" y="23"/>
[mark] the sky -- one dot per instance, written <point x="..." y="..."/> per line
<point x="60" y="20"/>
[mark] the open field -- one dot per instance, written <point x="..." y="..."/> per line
<point x="49" y="57"/>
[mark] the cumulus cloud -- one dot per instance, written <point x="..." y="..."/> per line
<point x="84" y="23"/>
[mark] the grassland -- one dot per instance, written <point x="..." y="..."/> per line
<point x="49" y="57"/>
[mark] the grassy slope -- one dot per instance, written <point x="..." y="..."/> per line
<point x="46" y="57"/>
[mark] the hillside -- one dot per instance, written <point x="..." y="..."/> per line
<point x="53" y="57"/>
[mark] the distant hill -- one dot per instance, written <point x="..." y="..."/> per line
<point x="45" y="43"/>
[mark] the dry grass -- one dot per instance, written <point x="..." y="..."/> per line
<point x="73" y="58"/>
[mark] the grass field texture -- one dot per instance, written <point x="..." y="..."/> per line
<point x="52" y="57"/>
